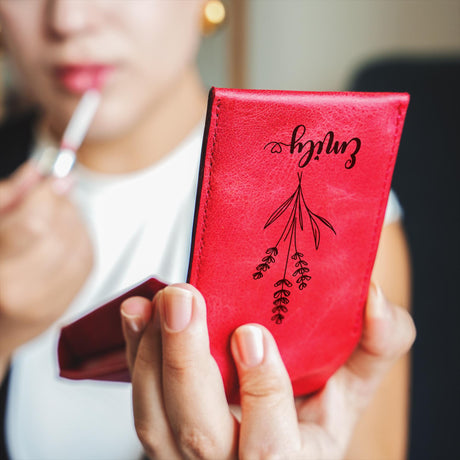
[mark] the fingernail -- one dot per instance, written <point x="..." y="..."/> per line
<point x="376" y="305"/>
<point x="177" y="307"/>
<point x="250" y="343"/>
<point x="135" y="323"/>
<point x="131" y="312"/>
<point x="63" y="185"/>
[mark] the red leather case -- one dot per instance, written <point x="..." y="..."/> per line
<point x="93" y="347"/>
<point x="292" y="195"/>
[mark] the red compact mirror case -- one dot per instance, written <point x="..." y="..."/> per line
<point x="291" y="200"/>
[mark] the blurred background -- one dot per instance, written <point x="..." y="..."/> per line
<point x="318" y="45"/>
<point x="375" y="45"/>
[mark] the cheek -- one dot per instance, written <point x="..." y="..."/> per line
<point x="165" y="39"/>
<point x="21" y="24"/>
<point x="162" y="45"/>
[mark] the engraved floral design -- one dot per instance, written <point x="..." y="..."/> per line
<point x="297" y="205"/>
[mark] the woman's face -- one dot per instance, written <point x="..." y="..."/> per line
<point x="135" y="50"/>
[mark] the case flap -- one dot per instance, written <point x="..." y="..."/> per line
<point x="293" y="194"/>
<point x="93" y="347"/>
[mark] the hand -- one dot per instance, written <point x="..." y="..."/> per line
<point x="45" y="254"/>
<point x="180" y="409"/>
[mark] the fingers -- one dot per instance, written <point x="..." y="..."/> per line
<point x="13" y="188"/>
<point x="140" y="319"/>
<point x="44" y="245"/>
<point x="35" y="214"/>
<point x="269" y="421"/>
<point x="136" y="312"/>
<point x="193" y="390"/>
<point x="179" y="402"/>
<point x="388" y="333"/>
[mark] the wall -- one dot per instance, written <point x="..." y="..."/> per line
<point x="317" y="44"/>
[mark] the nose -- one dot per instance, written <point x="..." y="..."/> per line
<point x="69" y="17"/>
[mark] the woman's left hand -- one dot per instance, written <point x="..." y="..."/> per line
<point x="180" y="408"/>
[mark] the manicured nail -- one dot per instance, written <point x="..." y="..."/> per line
<point x="131" y="312"/>
<point x="250" y="345"/>
<point x="135" y="323"/>
<point x="376" y="305"/>
<point x="177" y="307"/>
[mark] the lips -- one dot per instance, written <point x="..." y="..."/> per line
<point x="78" y="78"/>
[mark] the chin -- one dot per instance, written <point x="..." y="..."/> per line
<point x="105" y="131"/>
<point x="111" y="124"/>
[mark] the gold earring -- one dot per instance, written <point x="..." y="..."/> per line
<point x="213" y="16"/>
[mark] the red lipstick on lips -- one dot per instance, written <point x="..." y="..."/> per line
<point x="78" y="78"/>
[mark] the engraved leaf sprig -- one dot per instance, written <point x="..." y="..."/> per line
<point x="296" y="206"/>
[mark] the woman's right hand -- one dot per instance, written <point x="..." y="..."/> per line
<point x="45" y="254"/>
<point x="179" y="403"/>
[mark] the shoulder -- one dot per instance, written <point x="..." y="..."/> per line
<point x="16" y="140"/>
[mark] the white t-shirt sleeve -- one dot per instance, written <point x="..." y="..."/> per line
<point x="394" y="211"/>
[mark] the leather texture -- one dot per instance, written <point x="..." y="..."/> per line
<point x="291" y="200"/>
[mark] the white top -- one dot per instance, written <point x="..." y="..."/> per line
<point x="141" y="225"/>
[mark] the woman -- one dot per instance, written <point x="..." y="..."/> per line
<point x="76" y="242"/>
